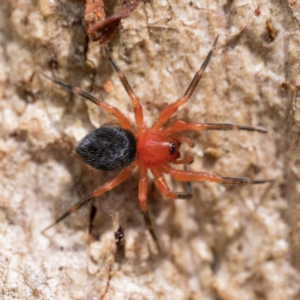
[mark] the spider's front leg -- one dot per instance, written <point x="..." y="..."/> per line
<point x="172" y="108"/>
<point x="201" y="176"/>
<point x="185" y="126"/>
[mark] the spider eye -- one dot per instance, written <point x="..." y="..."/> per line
<point x="172" y="148"/>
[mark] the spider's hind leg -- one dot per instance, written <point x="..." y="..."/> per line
<point x="97" y="192"/>
<point x="107" y="107"/>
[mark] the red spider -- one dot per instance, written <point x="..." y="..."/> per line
<point x="124" y="148"/>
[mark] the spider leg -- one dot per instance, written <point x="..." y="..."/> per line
<point x="183" y="126"/>
<point x="161" y="184"/>
<point x="184" y="139"/>
<point x="110" y="109"/>
<point x="97" y="192"/>
<point x="189" y="159"/>
<point x="143" y="203"/>
<point x="172" y="108"/>
<point x="186" y="160"/>
<point x="201" y="176"/>
<point x="138" y="110"/>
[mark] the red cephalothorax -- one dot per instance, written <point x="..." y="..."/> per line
<point x="154" y="148"/>
<point x="124" y="148"/>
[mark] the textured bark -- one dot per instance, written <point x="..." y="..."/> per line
<point x="227" y="242"/>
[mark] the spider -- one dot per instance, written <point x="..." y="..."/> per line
<point x="124" y="148"/>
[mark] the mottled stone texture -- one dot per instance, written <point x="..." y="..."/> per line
<point x="231" y="243"/>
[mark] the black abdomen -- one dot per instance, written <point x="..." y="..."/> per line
<point x="108" y="148"/>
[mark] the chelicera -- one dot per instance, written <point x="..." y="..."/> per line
<point x="125" y="148"/>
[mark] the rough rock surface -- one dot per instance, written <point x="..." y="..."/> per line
<point x="231" y="243"/>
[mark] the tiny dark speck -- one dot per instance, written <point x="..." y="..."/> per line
<point x="172" y="148"/>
